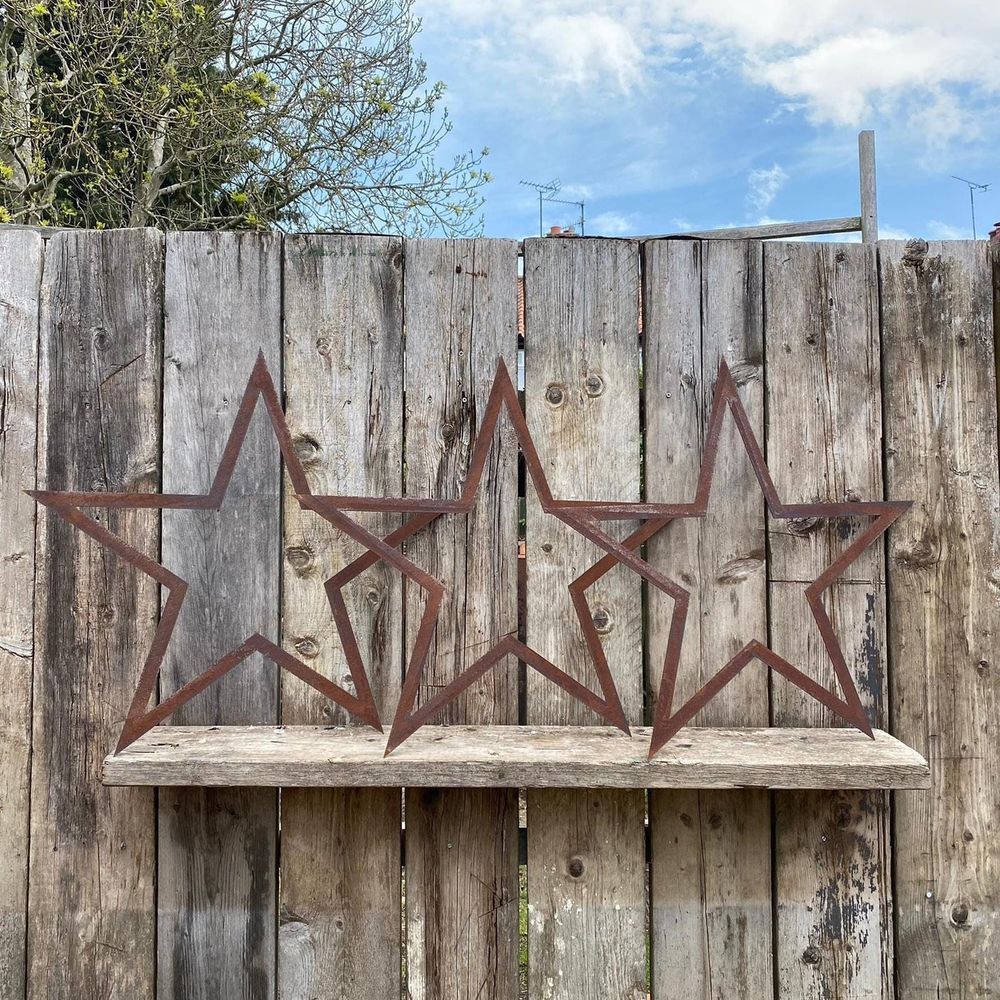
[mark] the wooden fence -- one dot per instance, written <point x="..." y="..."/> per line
<point x="867" y="371"/>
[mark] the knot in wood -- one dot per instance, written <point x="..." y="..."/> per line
<point x="960" y="915"/>
<point x="575" y="867"/>
<point x="603" y="620"/>
<point x="323" y="346"/>
<point x="306" y="448"/>
<point x="812" y="955"/>
<point x="100" y="339"/>
<point x="300" y="557"/>
<point x="307" y="646"/>
<point x="593" y="385"/>
<point x="555" y="394"/>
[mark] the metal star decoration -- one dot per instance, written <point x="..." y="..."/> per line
<point x="667" y="722"/>
<point x="68" y="505"/>
<point x="503" y="396"/>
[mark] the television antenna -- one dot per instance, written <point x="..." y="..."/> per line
<point x="547" y="192"/>
<point x="973" y="188"/>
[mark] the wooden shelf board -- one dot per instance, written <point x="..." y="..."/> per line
<point x="509" y="756"/>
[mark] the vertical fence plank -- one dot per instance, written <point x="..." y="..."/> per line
<point x="586" y="855"/>
<point x="91" y="885"/>
<point x="461" y="845"/>
<point x="20" y="273"/>
<point x="339" y="934"/>
<point x="944" y="561"/>
<point x="834" y="917"/>
<point x="217" y="847"/>
<point x="710" y="850"/>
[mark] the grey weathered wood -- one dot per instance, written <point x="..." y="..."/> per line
<point x="833" y="889"/>
<point x="774" y="231"/>
<point x="944" y="560"/>
<point x="91" y="900"/>
<point x="339" y="933"/>
<point x="517" y="756"/>
<point x="20" y="273"/>
<point x="869" y="199"/>
<point x="710" y="851"/>
<point x="461" y="846"/>
<point x="586" y="863"/>
<point x="217" y="849"/>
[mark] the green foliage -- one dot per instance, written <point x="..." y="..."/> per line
<point x="258" y="114"/>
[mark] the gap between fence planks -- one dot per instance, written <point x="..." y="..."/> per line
<point x="20" y="274"/>
<point x="833" y="933"/>
<point x="91" y="898"/>
<point x="711" y="906"/>
<point x="944" y="562"/>
<point x="460" y="313"/>
<point x="218" y="847"/>
<point x="586" y="851"/>
<point x="339" y="920"/>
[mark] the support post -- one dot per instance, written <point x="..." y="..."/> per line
<point x="869" y="201"/>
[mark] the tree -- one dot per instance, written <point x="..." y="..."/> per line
<point x="241" y="114"/>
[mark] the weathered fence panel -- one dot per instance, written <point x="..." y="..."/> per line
<point x="461" y="845"/>
<point x="218" y="847"/>
<point x="20" y="275"/>
<point x="91" y="904"/>
<point x="120" y="357"/>
<point x="339" y="914"/>
<point x="832" y="884"/>
<point x="710" y="850"/>
<point x="944" y="559"/>
<point x="586" y="858"/>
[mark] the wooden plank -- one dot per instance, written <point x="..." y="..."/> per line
<point x="20" y="274"/>
<point x="586" y="852"/>
<point x="710" y="851"/>
<point x="869" y="198"/>
<point x="91" y="899"/>
<point x="461" y="846"/>
<point x="339" y="933"/>
<point x="523" y="756"/>
<point x="217" y="848"/>
<point x="941" y="432"/>
<point x="774" y="231"/>
<point x="834" y="916"/>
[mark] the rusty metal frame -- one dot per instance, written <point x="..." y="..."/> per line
<point x="583" y="516"/>
<point x="68" y="504"/>
<point x="666" y="722"/>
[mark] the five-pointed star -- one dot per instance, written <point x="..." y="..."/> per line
<point x="666" y="723"/>
<point x="503" y="395"/>
<point x="68" y="506"/>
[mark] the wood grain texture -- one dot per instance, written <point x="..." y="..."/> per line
<point x="461" y="846"/>
<point x="339" y="933"/>
<point x="944" y="557"/>
<point x="20" y="273"/>
<point x="824" y="434"/>
<point x="710" y="851"/>
<point x="521" y="756"/>
<point x="91" y="913"/>
<point x="586" y="857"/>
<point x="217" y="848"/>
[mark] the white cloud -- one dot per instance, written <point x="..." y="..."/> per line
<point x="944" y="231"/>
<point x="841" y="61"/>
<point x="610" y="224"/>
<point x="763" y="186"/>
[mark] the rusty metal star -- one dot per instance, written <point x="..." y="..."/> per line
<point x="666" y="722"/>
<point x="140" y="718"/>
<point x="422" y="511"/>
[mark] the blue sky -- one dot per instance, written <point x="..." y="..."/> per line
<point x="691" y="114"/>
